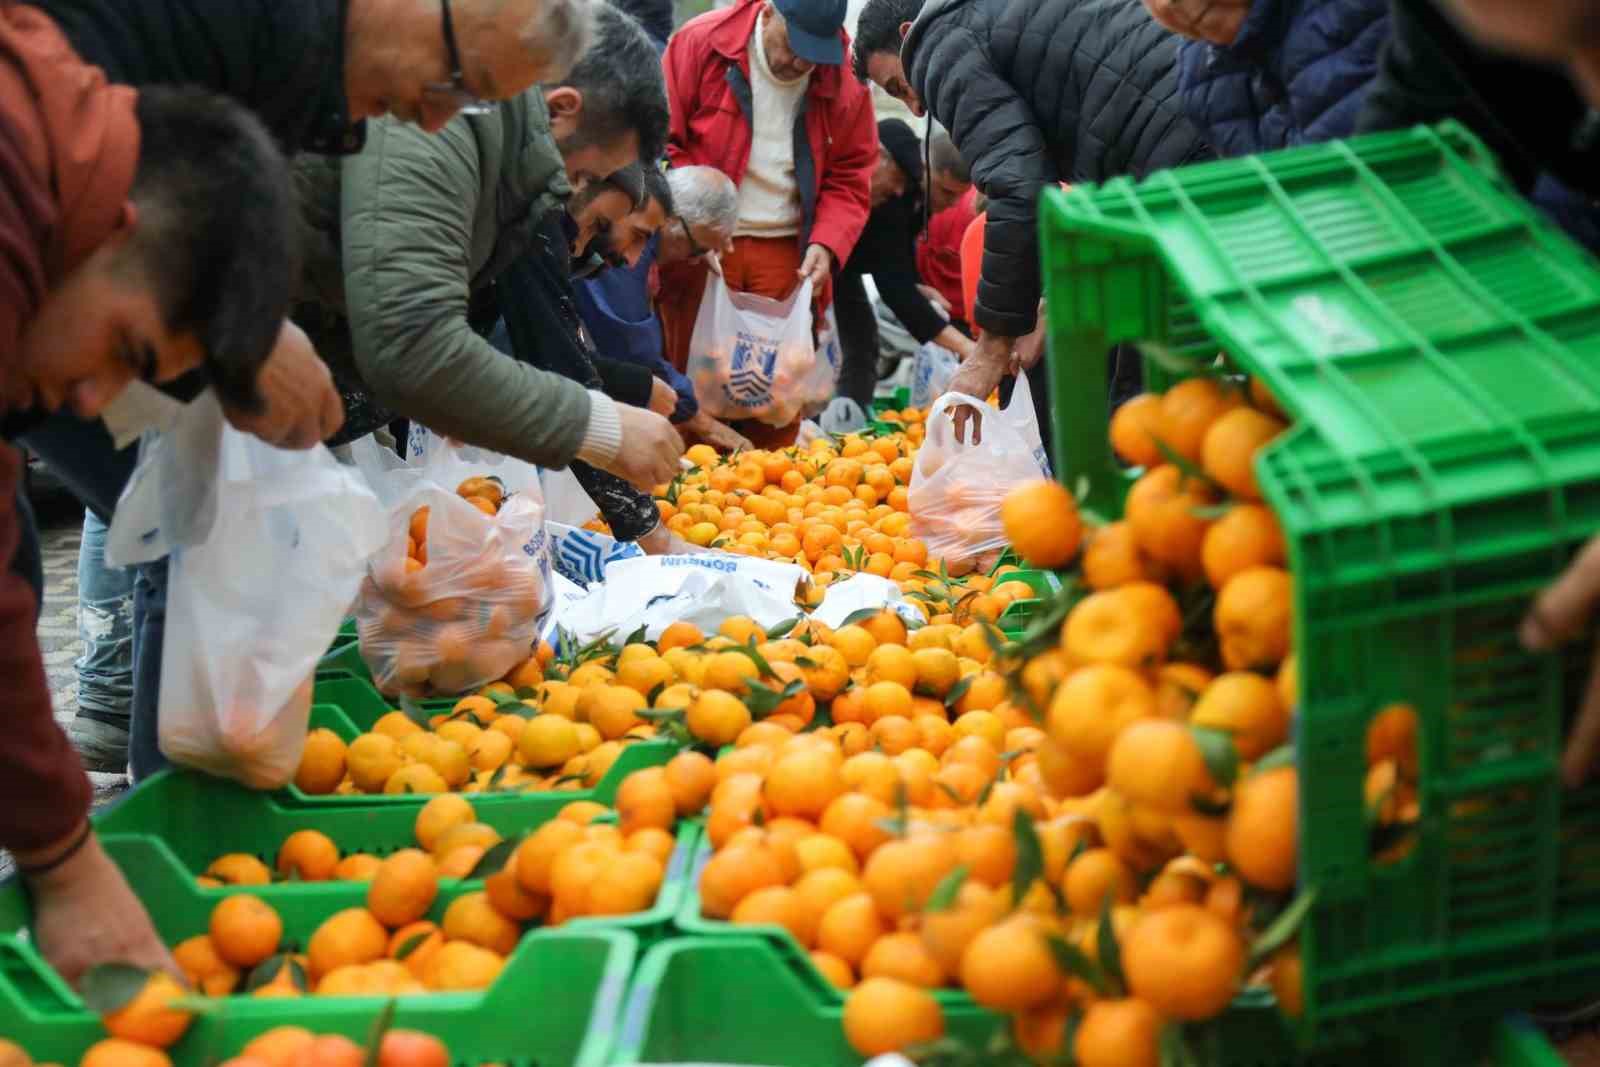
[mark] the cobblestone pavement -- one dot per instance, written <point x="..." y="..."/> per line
<point x="60" y="533"/>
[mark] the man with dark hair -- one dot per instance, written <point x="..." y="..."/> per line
<point x="887" y="252"/>
<point x="758" y="91"/>
<point x="312" y="70"/>
<point x="954" y="207"/>
<point x="147" y="236"/>
<point x="1033" y="92"/>
<point x="701" y="208"/>
<point x="409" y="238"/>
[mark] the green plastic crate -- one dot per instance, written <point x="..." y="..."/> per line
<point x="739" y="999"/>
<point x="1438" y="345"/>
<point x="168" y="806"/>
<point x="743" y="999"/>
<point x="360" y="700"/>
<point x="634" y="757"/>
<point x="558" y="1003"/>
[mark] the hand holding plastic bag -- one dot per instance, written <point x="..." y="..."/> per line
<point x="267" y="548"/>
<point x="956" y="488"/>
<point x="456" y="597"/>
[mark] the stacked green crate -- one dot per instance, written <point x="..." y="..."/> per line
<point x="1437" y="346"/>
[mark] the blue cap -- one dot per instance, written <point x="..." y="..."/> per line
<point x="814" y="29"/>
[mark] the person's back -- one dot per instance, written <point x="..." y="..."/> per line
<point x="1097" y="79"/>
<point x="282" y="58"/>
<point x="1296" y="72"/>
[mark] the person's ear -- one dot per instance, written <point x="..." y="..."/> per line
<point x="565" y="102"/>
<point x="905" y="28"/>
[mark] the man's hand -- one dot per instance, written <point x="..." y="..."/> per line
<point x="663" y="398"/>
<point x="1216" y="21"/>
<point x="935" y="298"/>
<point x="300" y="405"/>
<point x="719" y="435"/>
<point x="663" y="542"/>
<point x="1561" y="614"/>
<point x="978" y="376"/>
<point x="816" y="266"/>
<point x="713" y="262"/>
<point x="84" y="914"/>
<point x="650" y="449"/>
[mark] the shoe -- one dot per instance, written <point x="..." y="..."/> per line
<point x="102" y="746"/>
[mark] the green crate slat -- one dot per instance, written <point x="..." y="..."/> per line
<point x="360" y="700"/>
<point x="343" y="658"/>
<point x="634" y="756"/>
<point x="1438" y="345"/>
<point x="167" y="807"/>
<point x="559" y="1001"/>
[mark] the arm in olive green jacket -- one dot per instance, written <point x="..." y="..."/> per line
<point x="410" y="203"/>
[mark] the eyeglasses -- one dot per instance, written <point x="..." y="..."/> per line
<point x="696" y="249"/>
<point x="455" y="91"/>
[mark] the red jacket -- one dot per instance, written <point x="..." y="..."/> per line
<point x="708" y="88"/>
<point x="67" y="162"/>
<point x="939" y="253"/>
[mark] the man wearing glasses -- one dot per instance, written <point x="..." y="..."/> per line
<point x="312" y="71"/>
<point x="617" y="304"/>
<point x="409" y="239"/>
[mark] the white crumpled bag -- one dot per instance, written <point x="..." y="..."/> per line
<point x="267" y="548"/>
<point x="751" y="357"/>
<point x="956" y="489"/>
<point x="931" y="371"/>
<point x="705" y="589"/>
<point x="474" y="609"/>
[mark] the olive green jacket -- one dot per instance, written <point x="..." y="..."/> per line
<point x="400" y="243"/>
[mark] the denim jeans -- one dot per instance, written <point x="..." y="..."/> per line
<point x="83" y="456"/>
<point x="105" y="626"/>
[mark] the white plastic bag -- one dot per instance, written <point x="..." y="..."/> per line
<point x="931" y="371"/>
<point x="749" y="354"/>
<point x="471" y="610"/>
<point x="956" y="489"/>
<point x="267" y="548"/>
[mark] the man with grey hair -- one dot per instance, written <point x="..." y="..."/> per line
<point x="617" y="305"/>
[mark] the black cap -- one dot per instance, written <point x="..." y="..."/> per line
<point x="905" y="148"/>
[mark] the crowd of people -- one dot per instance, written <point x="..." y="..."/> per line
<point x="496" y="219"/>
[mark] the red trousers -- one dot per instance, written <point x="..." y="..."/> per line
<point x="767" y="266"/>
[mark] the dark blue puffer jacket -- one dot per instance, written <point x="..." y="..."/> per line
<point x="1295" y="75"/>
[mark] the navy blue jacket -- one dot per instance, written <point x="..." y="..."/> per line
<point x="1297" y="74"/>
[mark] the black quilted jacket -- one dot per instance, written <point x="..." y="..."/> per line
<point x="1041" y="91"/>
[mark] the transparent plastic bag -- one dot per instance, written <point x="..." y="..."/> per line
<point x="931" y="371"/>
<point x="749" y="354"/>
<point x="472" y="606"/>
<point x="956" y="489"/>
<point x="266" y="550"/>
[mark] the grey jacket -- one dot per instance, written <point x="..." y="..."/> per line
<point x="401" y="242"/>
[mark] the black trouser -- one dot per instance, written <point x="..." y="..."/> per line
<point x="858" y="339"/>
